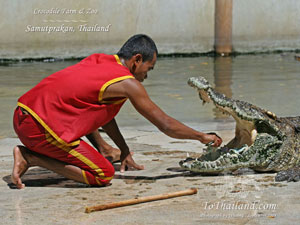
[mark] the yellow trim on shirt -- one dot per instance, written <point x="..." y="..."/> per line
<point x="118" y="59"/>
<point x="111" y="82"/>
<point x="74" y="143"/>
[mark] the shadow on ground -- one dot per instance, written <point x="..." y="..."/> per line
<point x="40" y="177"/>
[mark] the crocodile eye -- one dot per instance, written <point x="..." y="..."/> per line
<point x="271" y="115"/>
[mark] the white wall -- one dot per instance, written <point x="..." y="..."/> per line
<point x="183" y="26"/>
<point x="264" y="25"/>
<point x="176" y="26"/>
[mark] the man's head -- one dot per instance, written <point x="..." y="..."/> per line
<point x="139" y="53"/>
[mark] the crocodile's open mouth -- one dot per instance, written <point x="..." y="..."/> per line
<point x="254" y="130"/>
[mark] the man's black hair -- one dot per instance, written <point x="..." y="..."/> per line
<point x="138" y="44"/>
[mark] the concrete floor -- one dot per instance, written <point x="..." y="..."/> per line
<point x="243" y="198"/>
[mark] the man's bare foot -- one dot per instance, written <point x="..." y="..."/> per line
<point x="20" y="166"/>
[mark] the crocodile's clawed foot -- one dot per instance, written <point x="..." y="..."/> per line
<point x="289" y="175"/>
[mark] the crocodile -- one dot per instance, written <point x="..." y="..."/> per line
<point x="263" y="142"/>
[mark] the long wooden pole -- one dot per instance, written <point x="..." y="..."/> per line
<point x="140" y="200"/>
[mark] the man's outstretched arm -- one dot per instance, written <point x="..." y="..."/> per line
<point x="168" y="125"/>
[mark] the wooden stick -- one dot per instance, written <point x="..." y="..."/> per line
<point x="140" y="200"/>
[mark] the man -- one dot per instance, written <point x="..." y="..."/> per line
<point x="52" y="117"/>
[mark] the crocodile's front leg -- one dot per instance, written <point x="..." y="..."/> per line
<point x="289" y="175"/>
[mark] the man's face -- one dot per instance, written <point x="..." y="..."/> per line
<point x="142" y="68"/>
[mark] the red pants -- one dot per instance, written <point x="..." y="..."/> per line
<point x="96" y="169"/>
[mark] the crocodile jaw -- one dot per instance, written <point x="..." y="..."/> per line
<point x="250" y="122"/>
<point x="245" y="132"/>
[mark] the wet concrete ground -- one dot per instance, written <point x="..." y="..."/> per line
<point x="270" y="81"/>
<point x="243" y="198"/>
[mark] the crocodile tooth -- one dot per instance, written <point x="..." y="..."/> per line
<point x="253" y="135"/>
<point x="235" y="155"/>
<point x="223" y="161"/>
<point x="207" y="165"/>
<point x="227" y="160"/>
<point x="213" y="164"/>
<point x="187" y="165"/>
<point x="218" y="163"/>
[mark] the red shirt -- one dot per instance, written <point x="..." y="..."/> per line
<point x="69" y="104"/>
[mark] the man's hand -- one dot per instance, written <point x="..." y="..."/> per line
<point x="212" y="137"/>
<point x="111" y="154"/>
<point x="128" y="161"/>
